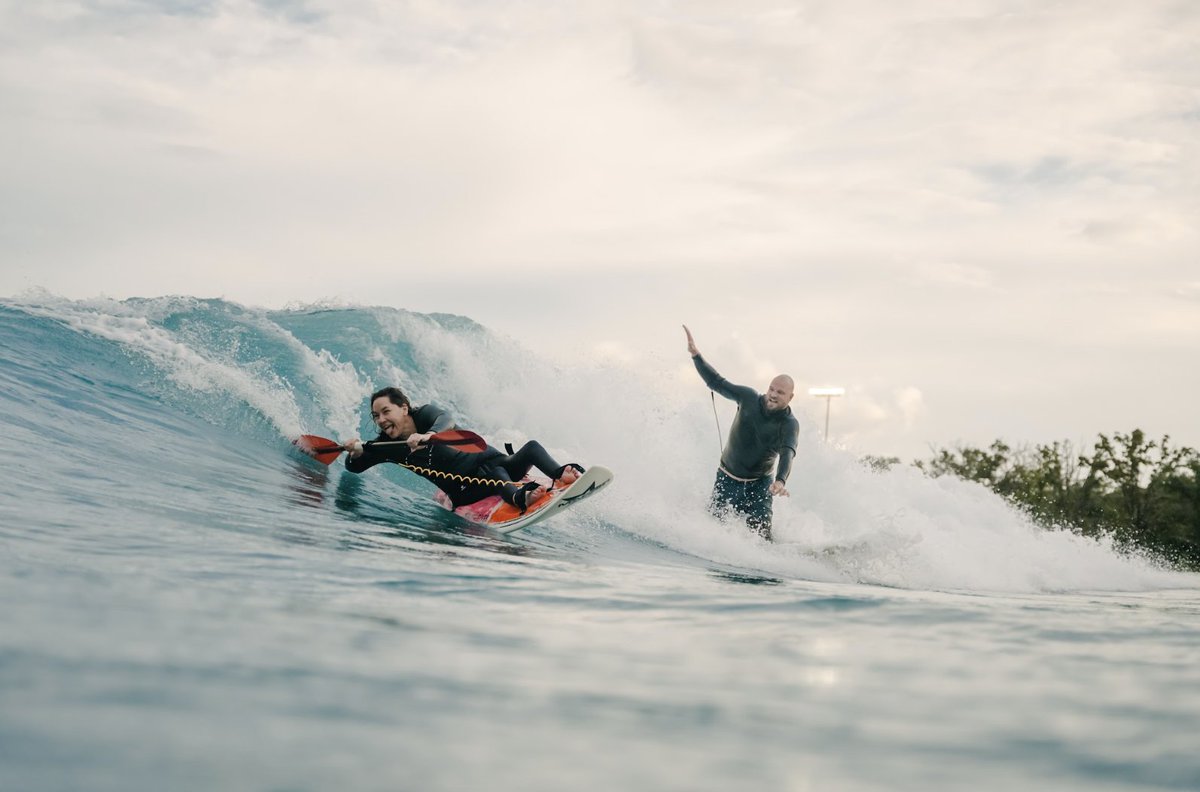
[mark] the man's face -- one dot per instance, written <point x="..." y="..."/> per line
<point x="780" y="392"/>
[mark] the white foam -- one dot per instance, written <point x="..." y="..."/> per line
<point x="652" y="422"/>
<point x="336" y="385"/>
<point x="654" y="427"/>
<point x="128" y="324"/>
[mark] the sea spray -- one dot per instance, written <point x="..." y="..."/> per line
<point x="311" y="369"/>
<point x="191" y="604"/>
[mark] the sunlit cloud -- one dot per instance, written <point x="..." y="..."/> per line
<point x="871" y="192"/>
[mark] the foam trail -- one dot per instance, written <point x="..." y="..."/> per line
<point x="654" y="427"/>
<point x="651" y="423"/>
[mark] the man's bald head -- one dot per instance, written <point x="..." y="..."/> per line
<point x="780" y="392"/>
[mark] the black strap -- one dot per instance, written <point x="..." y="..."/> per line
<point x="558" y="473"/>
<point x="521" y="496"/>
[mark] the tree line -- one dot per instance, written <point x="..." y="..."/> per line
<point x="1142" y="492"/>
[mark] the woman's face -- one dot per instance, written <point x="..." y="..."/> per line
<point x="388" y="417"/>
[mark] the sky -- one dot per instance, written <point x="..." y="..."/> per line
<point x="979" y="217"/>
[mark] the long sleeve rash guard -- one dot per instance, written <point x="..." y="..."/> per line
<point x="758" y="436"/>
<point x="448" y="461"/>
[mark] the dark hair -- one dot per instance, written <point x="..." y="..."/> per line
<point x="394" y="395"/>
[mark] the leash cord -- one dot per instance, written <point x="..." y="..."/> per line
<point x="716" y="418"/>
<point x="434" y="473"/>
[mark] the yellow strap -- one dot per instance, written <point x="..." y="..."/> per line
<point x="454" y="476"/>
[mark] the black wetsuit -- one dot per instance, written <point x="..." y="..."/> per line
<point x="757" y="438"/>
<point x="464" y="477"/>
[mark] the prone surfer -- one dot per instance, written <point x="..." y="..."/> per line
<point x="464" y="477"/>
<point x="763" y="431"/>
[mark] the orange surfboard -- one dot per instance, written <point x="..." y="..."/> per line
<point x="505" y="518"/>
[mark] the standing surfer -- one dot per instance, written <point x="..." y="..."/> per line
<point x="763" y="431"/>
<point x="464" y="477"/>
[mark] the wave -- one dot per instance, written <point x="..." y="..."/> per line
<point x="234" y="384"/>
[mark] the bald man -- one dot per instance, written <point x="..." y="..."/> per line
<point x="764" y="430"/>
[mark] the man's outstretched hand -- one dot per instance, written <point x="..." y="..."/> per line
<point x="691" y="342"/>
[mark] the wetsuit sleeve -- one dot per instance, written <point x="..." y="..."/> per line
<point x="431" y="418"/>
<point x="372" y="455"/>
<point x="787" y="451"/>
<point x="719" y="384"/>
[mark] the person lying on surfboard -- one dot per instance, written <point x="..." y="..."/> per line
<point x="461" y="466"/>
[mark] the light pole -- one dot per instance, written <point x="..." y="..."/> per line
<point x="827" y="394"/>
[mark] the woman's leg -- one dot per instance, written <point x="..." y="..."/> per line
<point x="530" y="455"/>
<point x="500" y="483"/>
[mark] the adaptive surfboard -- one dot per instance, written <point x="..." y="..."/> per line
<point x="505" y="518"/>
<point x="491" y="511"/>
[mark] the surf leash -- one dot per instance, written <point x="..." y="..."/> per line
<point x="325" y="451"/>
<point x="456" y="477"/>
<point x="720" y="448"/>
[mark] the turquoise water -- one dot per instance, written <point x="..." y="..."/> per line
<point x="190" y="605"/>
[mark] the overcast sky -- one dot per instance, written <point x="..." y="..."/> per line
<point x="978" y="216"/>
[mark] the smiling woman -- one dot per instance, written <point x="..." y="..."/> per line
<point x="465" y="476"/>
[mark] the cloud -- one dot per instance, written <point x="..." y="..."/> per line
<point x="910" y="403"/>
<point x="899" y="195"/>
<point x="614" y="136"/>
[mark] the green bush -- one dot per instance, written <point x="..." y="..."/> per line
<point x="1144" y="493"/>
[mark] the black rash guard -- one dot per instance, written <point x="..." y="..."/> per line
<point x="758" y="435"/>
<point x="446" y="459"/>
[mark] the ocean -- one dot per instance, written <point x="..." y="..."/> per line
<point x="190" y="604"/>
